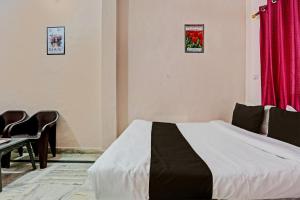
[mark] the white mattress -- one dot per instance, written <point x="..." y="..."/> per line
<point x="244" y="165"/>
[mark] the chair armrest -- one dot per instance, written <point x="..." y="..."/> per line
<point x="29" y="126"/>
<point x="50" y="124"/>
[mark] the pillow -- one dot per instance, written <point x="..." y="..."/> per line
<point x="285" y="126"/>
<point x="290" y="108"/>
<point x="265" y="123"/>
<point x="248" y="117"/>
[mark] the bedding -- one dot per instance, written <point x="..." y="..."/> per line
<point x="285" y="126"/>
<point x="180" y="175"/>
<point x="248" y="117"/>
<point x="244" y="165"/>
<point x="265" y="123"/>
<point x="290" y="108"/>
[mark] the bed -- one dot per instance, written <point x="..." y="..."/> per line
<point x="244" y="165"/>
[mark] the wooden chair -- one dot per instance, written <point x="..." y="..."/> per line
<point x="40" y="129"/>
<point x="10" y="117"/>
<point x="7" y="119"/>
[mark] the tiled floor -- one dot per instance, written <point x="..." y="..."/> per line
<point x="59" y="181"/>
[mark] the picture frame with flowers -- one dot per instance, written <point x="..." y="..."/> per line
<point x="56" y="40"/>
<point x="194" y="38"/>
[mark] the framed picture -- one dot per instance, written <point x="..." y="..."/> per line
<point x="56" y="40"/>
<point x="194" y="38"/>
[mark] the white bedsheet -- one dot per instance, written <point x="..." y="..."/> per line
<point x="244" y="165"/>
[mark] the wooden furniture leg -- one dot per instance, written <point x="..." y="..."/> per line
<point x="6" y="148"/>
<point x="20" y="150"/>
<point x="35" y="148"/>
<point x="30" y="152"/>
<point x="52" y="140"/>
<point x="0" y="175"/>
<point x="5" y="160"/>
<point x="43" y="150"/>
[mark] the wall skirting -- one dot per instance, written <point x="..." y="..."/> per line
<point x="79" y="150"/>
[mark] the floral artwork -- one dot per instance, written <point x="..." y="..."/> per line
<point x="194" y="38"/>
<point x="56" y="40"/>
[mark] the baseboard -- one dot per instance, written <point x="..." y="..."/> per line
<point x="71" y="150"/>
<point x="78" y="150"/>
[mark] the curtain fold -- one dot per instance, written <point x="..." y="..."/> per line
<point x="280" y="53"/>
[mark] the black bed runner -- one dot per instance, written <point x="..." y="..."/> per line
<point x="176" y="171"/>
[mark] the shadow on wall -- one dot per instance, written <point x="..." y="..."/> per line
<point x="65" y="135"/>
<point x="122" y="65"/>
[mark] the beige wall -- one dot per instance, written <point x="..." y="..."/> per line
<point x="122" y="64"/>
<point x="109" y="72"/>
<point x="253" y="76"/>
<point x="164" y="83"/>
<point x="71" y="84"/>
<point x="154" y="78"/>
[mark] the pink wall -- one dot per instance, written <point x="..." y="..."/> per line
<point x="158" y="81"/>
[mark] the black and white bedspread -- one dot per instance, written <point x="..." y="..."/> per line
<point x="176" y="171"/>
<point x="195" y="161"/>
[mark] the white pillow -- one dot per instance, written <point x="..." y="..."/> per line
<point x="265" y="124"/>
<point x="290" y="108"/>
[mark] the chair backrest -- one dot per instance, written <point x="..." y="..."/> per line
<point x="12" y="116"/>
<point x="9" y="117"/>
<point x="46" y="117"/>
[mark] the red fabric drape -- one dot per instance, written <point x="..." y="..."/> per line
<point x="280" y="53"/>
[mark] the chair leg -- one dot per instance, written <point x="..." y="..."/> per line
<point x="52" y="140"/>
<point x="35" y="148"/>
<point x="43" y="150"/>
<point x="20" y="150"/>
<point x="0" y="174"/>
<point x="5" y="161"/>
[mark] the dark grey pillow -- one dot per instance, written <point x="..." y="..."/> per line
<point x="285" y="126"/>
<point x="248" y="117"/>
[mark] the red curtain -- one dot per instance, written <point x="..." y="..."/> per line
<point x="280" y="53"/>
